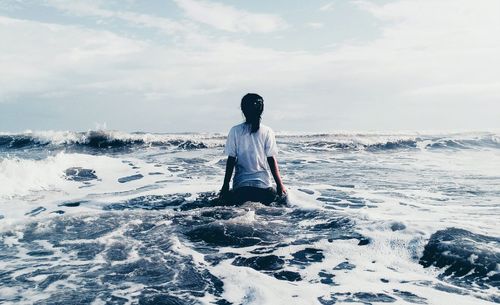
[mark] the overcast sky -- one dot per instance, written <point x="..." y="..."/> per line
<point x="183" y="65"/>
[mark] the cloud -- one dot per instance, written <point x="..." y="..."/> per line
<point x="94" y="8"/>
<point x="315" y="25"/>
<point x="438" y="24"/>
<point x="420" y="50"/>
<point x="72" y="60"/>
<point x="327" y="7"/>
<point x="491" y="89"/>
<point x="426" y="53"/>
<point x="43" y="57"/>
<point x="228" y="18"/>
<point x="424" y="45"/>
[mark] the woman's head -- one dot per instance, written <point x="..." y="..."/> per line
<point x="252" y="106"/>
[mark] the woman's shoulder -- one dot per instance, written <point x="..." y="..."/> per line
<point x="266" y="129"/>
<point x="237" y="127"/>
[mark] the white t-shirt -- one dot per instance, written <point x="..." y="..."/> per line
<point x="251" y="151"/>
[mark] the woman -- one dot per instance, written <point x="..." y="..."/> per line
<point x="249" y="146"/>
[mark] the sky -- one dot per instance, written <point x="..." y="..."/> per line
<point x="183" y="65"/>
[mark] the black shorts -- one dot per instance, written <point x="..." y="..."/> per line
<point x="249" y="193"/>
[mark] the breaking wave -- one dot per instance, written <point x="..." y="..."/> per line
<point x="100" y="139"/>
<point x="384" y="142"/>
<point x="116" y="140"/>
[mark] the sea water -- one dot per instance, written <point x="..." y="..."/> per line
<point x="106" y="217"/>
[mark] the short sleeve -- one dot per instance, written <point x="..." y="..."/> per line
<point x="230" y="148"/>
<point x="270" y="147"/>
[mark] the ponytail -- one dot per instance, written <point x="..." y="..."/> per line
<point x="252" y="106"/>
<point x="255" y="125"/>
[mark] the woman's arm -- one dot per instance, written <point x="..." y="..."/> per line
<point x="273" y="165"/>
<point x="231" y="161"/>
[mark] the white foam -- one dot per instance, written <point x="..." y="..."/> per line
<point x="422" y="209"/>
<point x="28" y="184"/>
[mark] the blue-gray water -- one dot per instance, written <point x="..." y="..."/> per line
<point x="106" y="217"/>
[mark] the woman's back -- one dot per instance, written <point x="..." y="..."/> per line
<point x="251" y="151"/>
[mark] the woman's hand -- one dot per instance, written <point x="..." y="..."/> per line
<point x="273" y="166"/>
<point x="280" y="189"/>
<point x="224" y="191"/>
<point x="231" y="161"/>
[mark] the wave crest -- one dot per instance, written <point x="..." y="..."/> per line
<point x="99" y="139"/>
<point x="383" y="142"/>
<point x="116" y="140"/>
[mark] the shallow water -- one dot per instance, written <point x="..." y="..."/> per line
<point x="114" y="218"/>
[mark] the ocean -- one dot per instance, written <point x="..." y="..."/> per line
<point x="109" y="217"/>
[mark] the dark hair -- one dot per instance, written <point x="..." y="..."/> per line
<point x="252" y="106"/>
